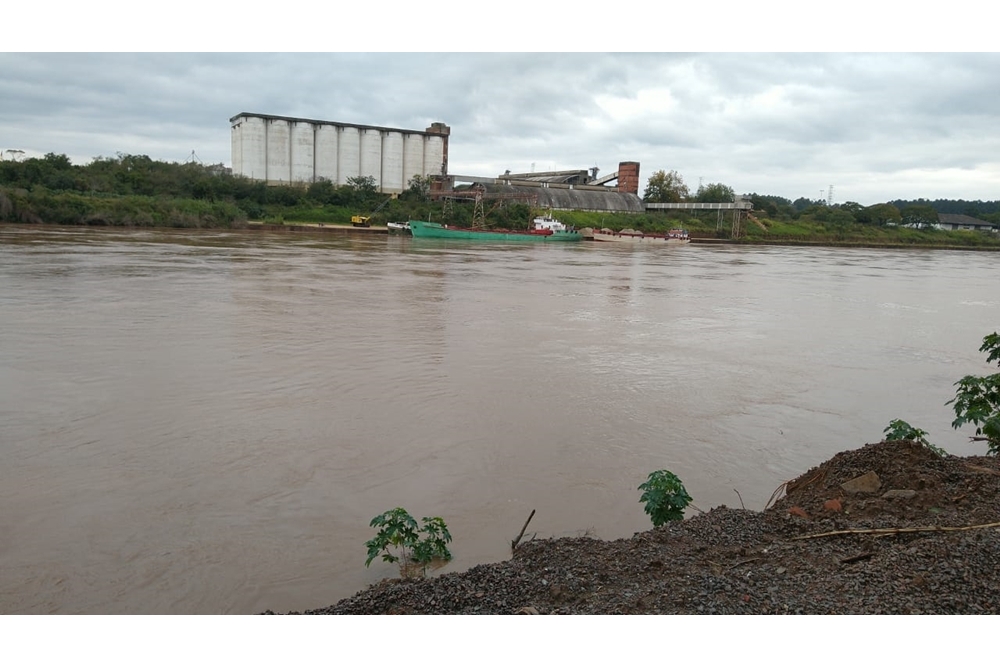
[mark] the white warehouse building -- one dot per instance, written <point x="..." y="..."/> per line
<point x="282" y="150"/>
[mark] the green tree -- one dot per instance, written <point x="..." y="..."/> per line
<point x="417" y="189"/>
<point x="399" y="540"/>
<point x="665" y="188"/>
<point x="322" y="191"/>
<point x="919" y="216"/>
<point x="880" y="214"/>
<point x="802" y="203"/>
<point x="977" y="399"/>
<point x="365" y="192"/>
<point x="833" y="216"/>
<point x="772" y="205"/>
<point x="203" y="188"/>
<point x="852" y="207"/>
<point x="665" y="497"/>
<point x="58" y="162"/>
<point x="284" y="195"/>
<point x="715" y="193"/>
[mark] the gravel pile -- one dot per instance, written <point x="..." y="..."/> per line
<point x="731" y="561"/>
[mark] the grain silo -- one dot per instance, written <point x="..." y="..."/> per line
<point x="284" y="150"/>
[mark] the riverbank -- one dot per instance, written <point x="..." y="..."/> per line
<point x="890" y="528"/>
<point x="379" y="230"/>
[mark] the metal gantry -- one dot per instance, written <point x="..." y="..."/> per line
<point x="739" y="208"/>
<point x="478" y="195"/>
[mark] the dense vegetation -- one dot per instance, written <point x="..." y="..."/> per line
<point x="126" y="190"/>
<point x="669" y="187"/>
<point x="777" y="219"/>
<point x="138" y="191"/>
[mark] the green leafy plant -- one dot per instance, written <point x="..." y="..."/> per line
<point x="665" y="497"/>
<point x="400" y="540"/>
<point x="900" y="430"/>
<point x="977" y="399"/>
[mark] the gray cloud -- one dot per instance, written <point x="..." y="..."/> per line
<point x="876" y="126"/>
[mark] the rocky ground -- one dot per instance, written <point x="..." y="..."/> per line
<point x="891" y="528"/>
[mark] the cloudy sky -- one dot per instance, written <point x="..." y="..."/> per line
<point x="875" y="126"/>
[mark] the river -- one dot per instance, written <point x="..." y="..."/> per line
<point x="206" y="422"/>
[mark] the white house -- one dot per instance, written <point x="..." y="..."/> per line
<point x="953" y="221"/>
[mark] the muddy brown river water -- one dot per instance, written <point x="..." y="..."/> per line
<point x="205" y="422"/>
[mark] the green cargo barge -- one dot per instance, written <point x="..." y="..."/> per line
<point x="551" y="233"/>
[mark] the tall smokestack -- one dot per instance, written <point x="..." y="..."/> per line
<point x="445" y="132"/>
<point x="628" y="177"/>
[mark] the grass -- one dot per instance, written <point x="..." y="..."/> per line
<point x="63" y="207"/>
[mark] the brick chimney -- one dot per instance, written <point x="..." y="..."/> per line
<point x="628" y="177"/>
<point x="445" y="132"/>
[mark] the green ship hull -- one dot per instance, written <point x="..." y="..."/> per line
<point x="435" y="230"/>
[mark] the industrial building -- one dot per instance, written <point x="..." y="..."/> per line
<point x="282" y="150"/>
<point x="576" y="190"/>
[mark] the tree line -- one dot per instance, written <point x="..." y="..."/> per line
<point x="669" y="187"/>
<point x="137" y="190"/>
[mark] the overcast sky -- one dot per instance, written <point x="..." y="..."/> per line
<point x="875" y="126"/>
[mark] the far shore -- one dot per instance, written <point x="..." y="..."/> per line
<point x="381" y="229"/>
<point x="342" y="228"/>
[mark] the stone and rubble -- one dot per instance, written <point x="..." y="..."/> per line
<point x="913" y="533"/>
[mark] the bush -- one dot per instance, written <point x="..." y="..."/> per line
<point x="977" y="399"/>
<point x="399" y="540"/>
<point x="900" y="430"/>
<point x="665" y="497"/>
<point x="71" y="208"/>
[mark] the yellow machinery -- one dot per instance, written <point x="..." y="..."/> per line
<point x="363" y="220"/>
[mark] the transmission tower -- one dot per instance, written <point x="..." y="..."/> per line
<point x="829" y="196"/>
<point x="478" y="216"/>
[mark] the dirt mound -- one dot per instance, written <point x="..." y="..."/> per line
<point x="902" y="480"/>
